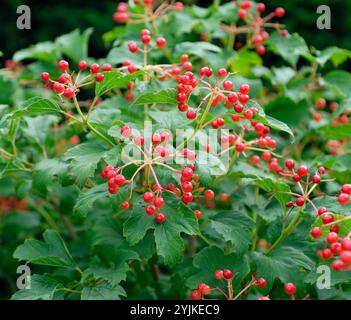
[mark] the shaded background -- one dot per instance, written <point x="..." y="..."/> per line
<point x="51" y="18"/>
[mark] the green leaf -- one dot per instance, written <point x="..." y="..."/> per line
<point x="38" y="128"/>
<point x="199" y="49"/>
<point x="274" y="124"/>
<point x="115" y="80"/>
<point x="87" y="199"/>
<point x="46" y="51"/>
<point x="336" y="55"/>
<point x="42" y="287"/>
<point x="276" y="187"/>
<point x="103" y="291"/>
<point x="340" y="132"/>
<point x="339" y="80"/>
<point x="208" y="260"/>
<point x="290" y="48"/>
<point x="234" y="227"/>
<point x="284" y="263"/>
<point x="170" y="120"/>
<point x="165" y="96"/>
<point x="51" y="252"/>
<point x="75" y="44"/>
<point x="84" y="159"/>
<point x="44" y="172"/>
<point x="333" y="205"/>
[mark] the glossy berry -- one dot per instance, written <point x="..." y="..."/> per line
<point x="191" y="114"/>
<point x="261" y="283"/>
<point x="290" y="164"/>
<point x="58" y="87"/>
<point x="346" y="188"/>
<point x="45" y="76"/>
<point x="68" y="93"/>
<point x="302" y="171"/>
<point x="198" y="214"/>
<point x="82" y="65"/>
<point x="125" y="205"/>
<point x="316" y="232"/>
<point x="126" y="131"/>
<point x="222" y="73"/>
<point x="132" y="46"/>
<point x="279" y="12"/>
<point x="332" y="237"/>
<point x="196" y="295"/>
<point x="227" y="274"/>
<point x="316" y="179"/>
<point x="148" y="197"/>
<point x="159" y="202"/>
<point x="160" y="218"/>
<point x="261" y="7"/>
<point x="219" y="274"/>
<point x="106" y="67"/>
<point x="300" y="201"/>
<point x="244" y="89"/>
<point x="161" y="42"/>
<point x="150" y="210"/>
<point x="94" y="68"/>
<point x="322" y="210"/>
<point x="290" y="288"/>
<point x="63" y="65"/>
<point x="227" y="85"/>
<point x="344" y="198"/>
<point x="346" y="244"/>
<point x="99" y="77"/>
<point x="209" y="195"/>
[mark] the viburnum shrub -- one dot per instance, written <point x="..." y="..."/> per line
<point x="182" y="165"/>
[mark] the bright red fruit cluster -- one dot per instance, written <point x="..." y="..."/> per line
<point x="68" y="85"/>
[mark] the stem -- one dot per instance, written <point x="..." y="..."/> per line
<point x="285" y="231"/>
<point x="202" y="237"/>
<point x="216" y="4"/>
<point x="99" y="134"/>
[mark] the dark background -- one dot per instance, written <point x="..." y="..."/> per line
<point x="51" y="18"/>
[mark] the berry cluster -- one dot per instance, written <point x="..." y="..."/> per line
<point x="122" y="14"/>
<point x="68" y="85"/>
<point x="145" y="38"/>
<point x="255" y="25"/>
<point x="155" y="153"/>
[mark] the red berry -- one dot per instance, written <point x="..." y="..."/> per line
<point x="242" y="14"/>
<point x="218" y="274"/>
<point x="82" y="65"/>
<point x="196" y="295"/>
<point x="240" y="147"/>
<point x="99" y="77"/>
<point x="132" y="46"/>
<point x="45" y="76"/>
<point x="322" y="210"/>
<point x="248" y="114"/>
<point x="198" y="214"/>
<point x="346" y="188"/>
<point x="63" y="65"/>
<point x="302" y="171"/>
<point x="125" y="205"/>
<point x="58" y="87"/>
<point x="345" y="256"/>
<point x="279" y="12"/>
<point x="290" y="164"/>
<point x="209" y="194"/>
<point x="204" y="288"/>
<point x="187" y="66"/>
<point x="346" y="244"/>
<point x="191" y="114"/>
<point x="227" y="85"/>
<point x="150" y="210"/>
<point x="316" y="179"/>
<point x="338" y="265"/>
<point x="126" y="131"/>
<point x="332" y="237"/>
<point x="94" y="68"/>
<point x="327" y="254"/>
<point x="227" y="274"/>
<point x="187" y="197"/>
<point x="222" y="73"/>
<point x="327" y="218"/>
<point x="184" y="58"/>
<point x="148" y="197"/>
<point x="156" y="138"/>
<point x="161" y="42"/>
<point x="261" y="7"/>
<point x="187" y="186"/>
<point x="316" y="232"/>
<point x="68" y="93"/>
<point x="160" y="218"/>
<point x="244" y="89"/>
<point x="145" y="39"/>
<point x="344" y="198"/>
<point x="300" y="201"/>
<point x="238" y="108"/>
<point x="261" y="283"/>
<point x="106" y="67"/>
<point x="261" y="50"/>
<point x="159" y="202"/>
<point x="289" y="288"/>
